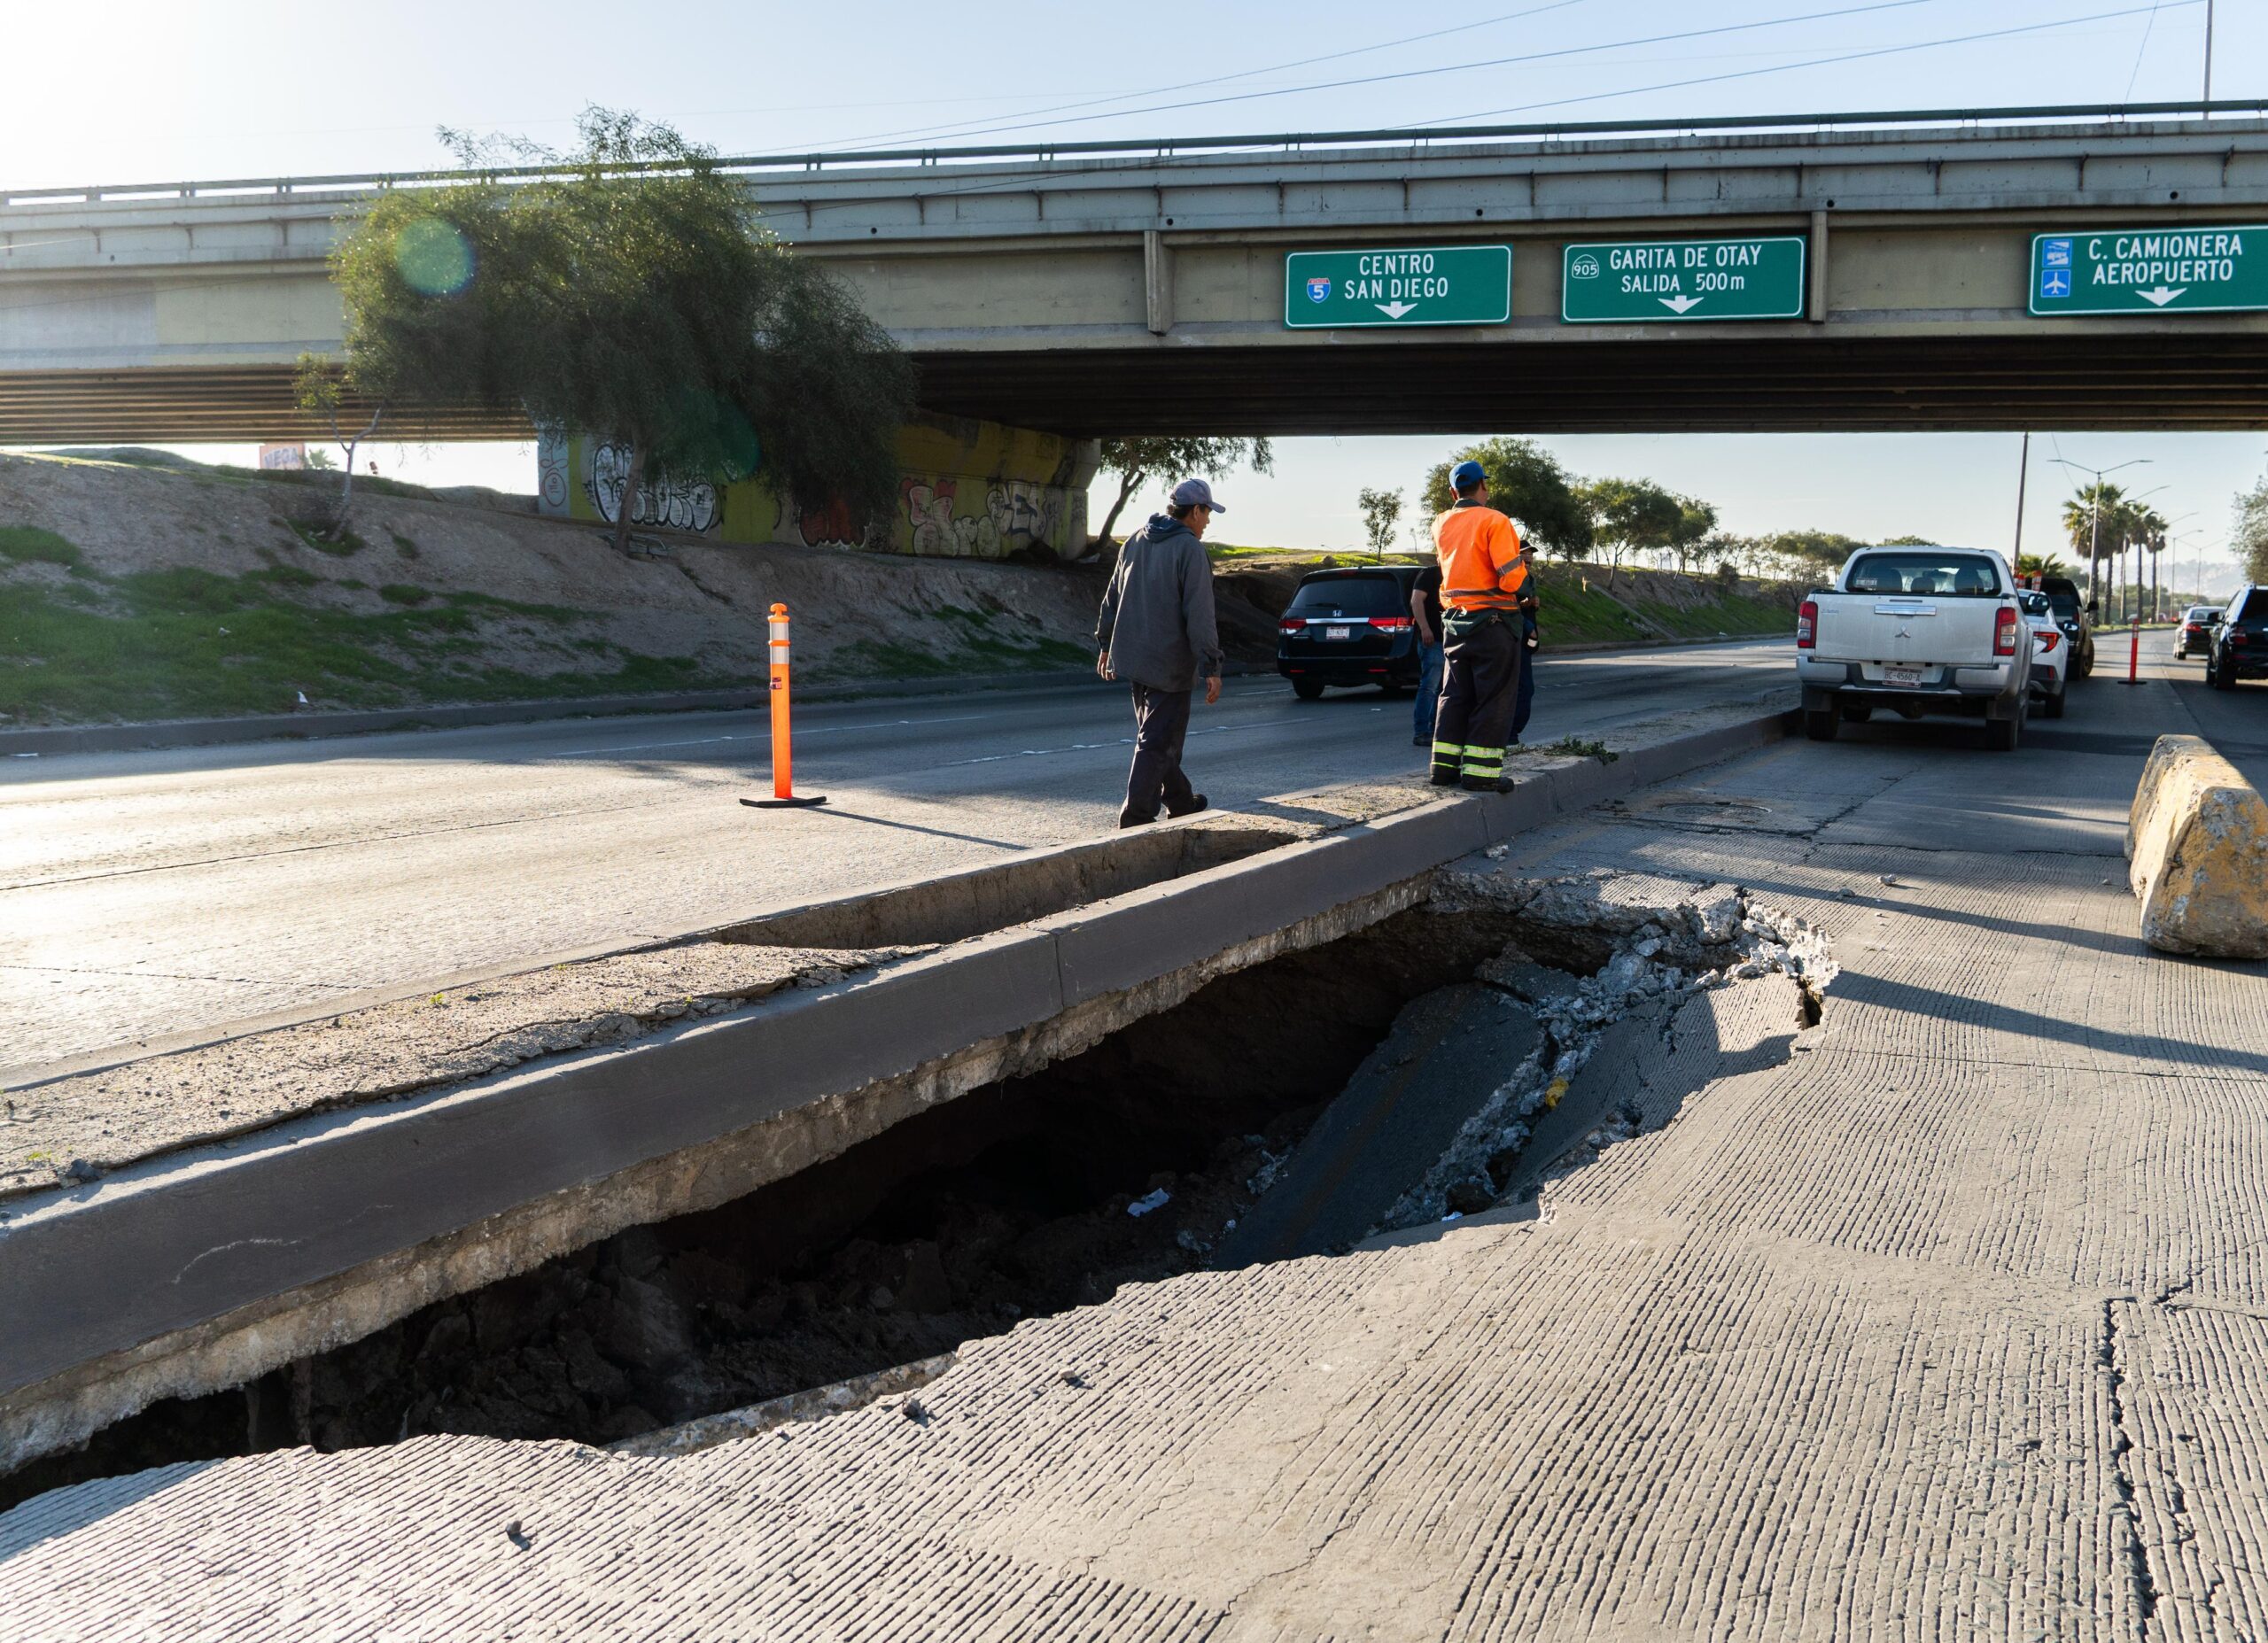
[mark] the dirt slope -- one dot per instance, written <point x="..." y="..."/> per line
<point x="139" y="591"/>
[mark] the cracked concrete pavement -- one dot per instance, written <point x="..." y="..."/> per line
<point x="1952" y="1324"/>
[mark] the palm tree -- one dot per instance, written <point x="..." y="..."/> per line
<point x="2089" y="518"/>
<point x="2150" y="528"/>
<point x="2041" y="565"/>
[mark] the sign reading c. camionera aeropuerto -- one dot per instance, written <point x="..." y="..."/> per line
<point x="2185" y="270"/>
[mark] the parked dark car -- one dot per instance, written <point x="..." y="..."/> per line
<point x="2240" y="647"/>
<point x="1349" y="627"/>
<point x="2196" y="631"/>
<point x="2075" y="616"/>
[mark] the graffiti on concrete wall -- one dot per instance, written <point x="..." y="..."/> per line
<point x="551" y="469"/>
<point x="1017" y="514"/>
<point x="680" y="504"/>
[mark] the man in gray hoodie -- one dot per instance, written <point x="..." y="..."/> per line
<point x="1157" y="632"/>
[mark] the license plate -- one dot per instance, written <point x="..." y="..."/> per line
<point x="1902" y="676"/>
<point x="1346" y="632"/>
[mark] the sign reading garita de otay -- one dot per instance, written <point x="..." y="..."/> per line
<point x="2185" y="270"/>
<point x="1633" y="281"/>
<point x="1398" y="285"/>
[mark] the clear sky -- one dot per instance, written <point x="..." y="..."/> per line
<point x="137" y="90"/>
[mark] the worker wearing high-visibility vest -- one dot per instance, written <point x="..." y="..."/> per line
<point x="1484" y="571"/>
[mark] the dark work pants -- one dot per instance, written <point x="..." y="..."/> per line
<point x="1481" y="684"/>
<point x="1160" y="724"/>
<point x="1526" y="703"/>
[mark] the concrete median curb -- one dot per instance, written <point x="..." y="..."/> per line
<point x="2197" y="849"/>
<point x="201" y="1269"/>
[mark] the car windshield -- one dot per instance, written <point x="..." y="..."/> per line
<point x="1350" y="596"/>
<point x="1945" y="574"/>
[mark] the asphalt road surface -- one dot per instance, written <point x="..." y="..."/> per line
<point x="145" y="895"/>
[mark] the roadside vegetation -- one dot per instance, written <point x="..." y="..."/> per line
<point x="187" y="643"/>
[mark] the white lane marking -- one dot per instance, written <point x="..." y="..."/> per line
<point x="1093" y="746"/>
<point x="765" y="735"/>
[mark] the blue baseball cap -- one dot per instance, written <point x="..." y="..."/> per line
<point x="1196" y="493"/>
<point x="1464" y="475"/>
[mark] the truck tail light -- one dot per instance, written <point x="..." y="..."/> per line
<point x="2237" y="636"/>
<point x="1391" y="625"/>
<point x="1807" y="625"/>
<point x="2004" y="634"/>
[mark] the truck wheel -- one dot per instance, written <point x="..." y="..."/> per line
<point x="1306" y="689"/>
<point x="1820" y="724"/>
<point x="2054" y="705"/>
<point x="2001" y="735"/>
<point x="1858" y="712"/>
<point x="2219" y="677"/>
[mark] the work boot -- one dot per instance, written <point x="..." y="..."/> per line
<point x="1449" y="762"/>
<point x="1196" y="803"/>
<point x="1485" y="783"/>
<point x="1125" y="820"/>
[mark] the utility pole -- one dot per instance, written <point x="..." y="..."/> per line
<point x="2024" y="465"/>
<point x="2209" y="57"/>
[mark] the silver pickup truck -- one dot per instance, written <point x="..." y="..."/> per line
<point x="1917" y="631"/>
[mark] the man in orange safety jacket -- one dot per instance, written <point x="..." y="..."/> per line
<point x="1484" y="572"/>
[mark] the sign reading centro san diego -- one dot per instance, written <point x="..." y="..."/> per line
<point x="1630" y="281"/>
<point x="1413" y="285"/>
<point x="2149" y="270"/>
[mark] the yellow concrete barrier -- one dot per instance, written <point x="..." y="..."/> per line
<point x="2197" y="846"/>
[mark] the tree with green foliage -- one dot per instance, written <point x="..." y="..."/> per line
<point x="1381" y="513"/>
<point x="1908" y="541"/>
<point x="1525" y="481"/>
<point x="2037" y="565"/>
<point x="319" y="393"/>
<point x="1636" y="515"/>
<point x="2248" y="531"/>
<point x="1694" y="540"/>
<point x="1176" y="457"/>
<point x="1816" y="553"/>
<point x="626" y="290"/>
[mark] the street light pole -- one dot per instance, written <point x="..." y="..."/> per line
<point x="2094" y="519"/>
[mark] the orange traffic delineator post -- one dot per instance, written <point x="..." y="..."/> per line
<point x="783" y="760"/>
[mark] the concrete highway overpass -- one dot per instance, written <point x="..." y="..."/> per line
<point x="1093" y="288"/>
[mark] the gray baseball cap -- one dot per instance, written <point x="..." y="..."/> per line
<point x="1196" y="493"/>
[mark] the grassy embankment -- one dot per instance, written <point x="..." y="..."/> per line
<point x="186" y="642"/>
<point x="1576" y="606"/>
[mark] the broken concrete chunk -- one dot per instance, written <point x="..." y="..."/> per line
<point x="1525" y="979"/>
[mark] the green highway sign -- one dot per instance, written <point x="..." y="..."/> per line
<point x="1402" y="285"/>
<point x="1630" y="281"/>
<point x="2187" y="270"/>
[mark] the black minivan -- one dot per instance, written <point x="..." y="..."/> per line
<point x="1349" y="627"/>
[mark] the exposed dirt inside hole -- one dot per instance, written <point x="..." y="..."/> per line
<point x="1009" y="1202"/>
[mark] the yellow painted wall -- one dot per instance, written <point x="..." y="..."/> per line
<point x="966" y="490"/>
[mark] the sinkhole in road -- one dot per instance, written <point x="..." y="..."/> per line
<point x="1010" y="1202"/>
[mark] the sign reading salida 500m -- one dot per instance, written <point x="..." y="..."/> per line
<point x="2149" y="270"/>
<point x="1398" y="285"/>
<point x="1630" y="281"/>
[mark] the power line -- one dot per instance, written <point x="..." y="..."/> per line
<point x="2141" y="52"/>
<point x="955" y="127"/>
<point x="1458" y="68"/>
<point x="1781" y="69"/>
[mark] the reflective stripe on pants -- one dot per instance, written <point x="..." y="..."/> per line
<point x="1480" y="684"/>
